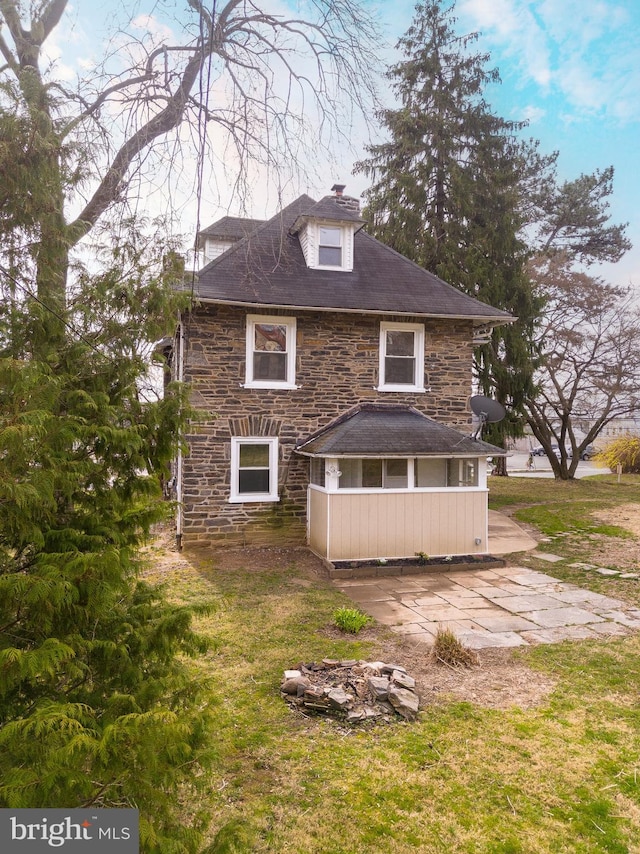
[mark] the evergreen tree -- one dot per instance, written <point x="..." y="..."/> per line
<point x="572" y="220"/>
<point x="96" y="706"/>
<point x="421" y="176"/>
<point x="446" y="192"/>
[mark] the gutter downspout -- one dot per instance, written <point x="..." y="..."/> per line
<point x="179" y="460"/>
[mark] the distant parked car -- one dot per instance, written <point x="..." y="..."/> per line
<point x="589" y="452"/>
<point x="539" y="451"/>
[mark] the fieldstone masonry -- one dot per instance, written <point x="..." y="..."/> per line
<point x="336" y="369"/>
<point x="353" y="690"/>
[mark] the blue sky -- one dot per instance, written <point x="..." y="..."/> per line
<point x="571" y="67"/>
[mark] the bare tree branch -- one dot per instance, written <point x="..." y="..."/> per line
<point x="264" y="72"/>
<point x="589" y="343"/>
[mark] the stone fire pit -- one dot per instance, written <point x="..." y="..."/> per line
<point x="352" y="690"/>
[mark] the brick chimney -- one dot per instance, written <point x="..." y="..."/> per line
<point x="346" y="202"/>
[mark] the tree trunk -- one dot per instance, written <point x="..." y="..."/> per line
<point x="500" y="468"/>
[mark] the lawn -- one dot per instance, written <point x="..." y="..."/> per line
<point x="561" y="776"/>
<point x="589" y="521"/>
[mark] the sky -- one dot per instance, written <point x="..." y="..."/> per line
<point x="569" y="67"/>
<point x="572" y="68"/>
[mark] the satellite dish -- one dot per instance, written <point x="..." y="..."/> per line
<point x="488" y="411"/>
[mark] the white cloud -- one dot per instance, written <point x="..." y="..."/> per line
<point x="151" y="25"/>
<point x="584" y="51"/>
<point x="51" y="56"/>
<point x="514" y="27"/>
<point x="532" y="114"/>
<point x="498" y="15"/>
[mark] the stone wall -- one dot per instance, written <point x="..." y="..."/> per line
<point x="336" y="368"/>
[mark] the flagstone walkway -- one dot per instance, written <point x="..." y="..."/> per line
<point x="504" y="607"/>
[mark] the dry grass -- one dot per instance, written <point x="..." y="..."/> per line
<point x="448" y="649"/>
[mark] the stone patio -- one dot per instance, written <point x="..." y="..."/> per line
<point x="502" y="607"/>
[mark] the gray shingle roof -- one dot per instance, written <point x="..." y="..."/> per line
<point x="389" y="429"/>
<point x="267" y="269"/>
<point x="231" y="228"/>
<point x="336" y="208"/>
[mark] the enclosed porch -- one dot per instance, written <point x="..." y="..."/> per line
<point x="376" y="525"/>
<point x="387" y="482"/>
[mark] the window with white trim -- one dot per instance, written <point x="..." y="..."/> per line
<point x="254" y="468"/>
<point x="271" y="352"/>
<point x="462" y="472"/>
<point x="373" y="474"/>
<point x="407" y="473"/>
<point x="317" y="474"/>
<point x="401" y="357"/>
<point x="330" y="240"/>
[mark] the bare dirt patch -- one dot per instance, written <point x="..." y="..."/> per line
<point x="613" y="551"/>
<point x="627" y="516"/>
<point x="498" y="681"/>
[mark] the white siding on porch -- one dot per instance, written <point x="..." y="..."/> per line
<point x="364" y="526"/>
<point x="318" y="521"/>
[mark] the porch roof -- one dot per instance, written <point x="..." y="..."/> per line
<point x="377" y="430"/>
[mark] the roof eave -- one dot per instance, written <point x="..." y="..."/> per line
<point x="303" y="219"/>
<point x="477" y="319"/>
<point x="450" y="455"/>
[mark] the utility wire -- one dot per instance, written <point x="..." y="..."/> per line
<point x="203" y="112"/>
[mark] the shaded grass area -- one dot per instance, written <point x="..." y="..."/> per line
<point x="562" y="777"/>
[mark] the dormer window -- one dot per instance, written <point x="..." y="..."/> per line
<point x="330" y="246"/>
<point x="326" y="232"/>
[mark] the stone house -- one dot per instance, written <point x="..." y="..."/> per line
<point x="333" y="377"/>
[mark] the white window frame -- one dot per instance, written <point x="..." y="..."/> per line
<point x="333" y="473"/>
<point x="237" y="497"/>
<point x="312" y="244"/>
<point x="418" y="355"/>
<point x="275" y="320"/>
<point x="341" y="246"/>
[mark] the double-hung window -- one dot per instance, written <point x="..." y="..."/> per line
<point x="330" y="246"/>
<point x="401" y="357"/>
<point x="271" y="352"/>
<point x="254" y="469"/>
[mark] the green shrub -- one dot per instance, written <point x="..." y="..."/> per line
<point x="351" y="620"/>
<point x="625" y="452"/>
